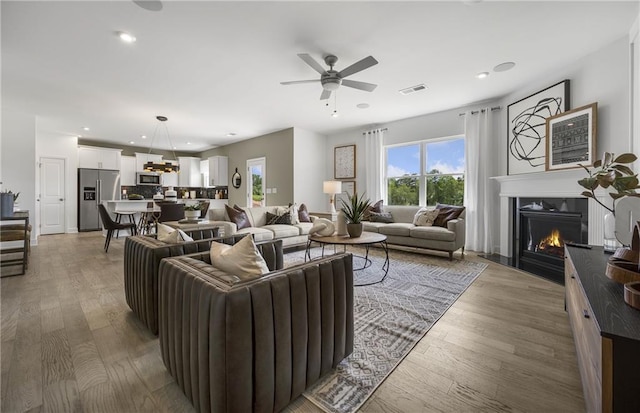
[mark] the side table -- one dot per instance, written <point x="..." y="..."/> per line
<point x="20" y="234"/>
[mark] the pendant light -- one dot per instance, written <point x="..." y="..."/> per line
<point x="164" y="166"/>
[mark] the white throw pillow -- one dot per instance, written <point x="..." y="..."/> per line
<point x="171" y="235"/>
<point x="242" y="259"/>
<point x="425" y="217"/>
<point x="322" y="227"/>
<point x="293" y="211"/>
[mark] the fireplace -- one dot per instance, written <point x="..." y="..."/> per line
<point x="542" y="228"/>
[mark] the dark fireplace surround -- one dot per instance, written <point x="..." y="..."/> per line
<point x="541" y="227"/>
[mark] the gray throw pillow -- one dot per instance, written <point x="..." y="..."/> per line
<point x="384" y="217"/>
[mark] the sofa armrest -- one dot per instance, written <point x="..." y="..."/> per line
<point x="459" y="227"/>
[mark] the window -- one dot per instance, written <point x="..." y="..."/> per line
<point x="426" y="173"/>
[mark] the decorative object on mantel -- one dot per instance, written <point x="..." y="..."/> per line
<point x="354" y="212"/>
<point x="610" y="172"/>
<point x="164" y="166"/>
<point x="571" y="138"/>
<point x="526" y="124"/>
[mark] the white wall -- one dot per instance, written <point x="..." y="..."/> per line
<point x="18" y="160"/>
<point x="309" y="169"/>
<point x="65" y="147"/>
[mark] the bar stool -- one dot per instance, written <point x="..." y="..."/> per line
<point x="147" y="219"/>
<point x="129" y="214"/>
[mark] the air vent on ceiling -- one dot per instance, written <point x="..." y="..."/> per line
<point x="413" y="89"/>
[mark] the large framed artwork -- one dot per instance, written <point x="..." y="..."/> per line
<point x="526" y="127"/>
<point x="344" y="162"/>
<point x="571" y="138"/>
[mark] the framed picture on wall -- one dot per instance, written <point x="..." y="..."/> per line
<point x="348" y="189"/>
<point x="526" y="127"/>
<point x="571" y="138"/>
<point x="344" y="162"/>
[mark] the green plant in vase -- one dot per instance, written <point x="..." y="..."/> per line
<point x="192" y="211"/>
<point x="354" y="211"/>
<point x="613" y="175"/>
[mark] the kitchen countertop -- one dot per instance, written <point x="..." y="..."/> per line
<point x="179" y="199"/>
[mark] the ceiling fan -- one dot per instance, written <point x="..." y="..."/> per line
<point x="332" y="79"/>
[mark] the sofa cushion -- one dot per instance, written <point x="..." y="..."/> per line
<point x="447" y="213"/>
<point x="238" y="216"/>
<point x="304" y="227"/>
<point x="242" y="259"/>
<point x="171" y="235"/>
<point x="303" y="214"/>
<point x="425" y="217"/>
<point x="372" y="226"/>
<point x="377" y="207"/>
<point x="284" y="219"/>
<point x="282" y="231"/>
<point x="293" y="210"/>
<point x="259" y="234"/>
<point x="399" y="228"/>
<point x="384" y="217"/>
<point x="433" y="233"/>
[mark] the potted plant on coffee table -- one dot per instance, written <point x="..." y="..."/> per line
<point x="354" y="211"/>
<point x="192" y="211"/>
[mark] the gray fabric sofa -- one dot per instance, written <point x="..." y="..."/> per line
<point x="403" y="232"/>
<point x="291" y="235"/>
<point x="256" y="345"/>
<point x="142" y="256"/>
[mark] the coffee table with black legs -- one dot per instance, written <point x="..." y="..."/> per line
<point x="367" y="239"/>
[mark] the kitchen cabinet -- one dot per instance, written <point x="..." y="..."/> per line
<point x="128" y="170"/>
<point x="204" y="173"/>
<point x="98" y="158"/>
<point x="218" y="171"/>
<point x="171" y="178"/>
<point x="189" y="171"/>
<point x="142" y="158"/>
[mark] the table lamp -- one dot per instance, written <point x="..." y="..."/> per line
<point x="332" y="188"/>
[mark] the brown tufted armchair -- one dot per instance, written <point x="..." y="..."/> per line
<point x="242" y="346"/>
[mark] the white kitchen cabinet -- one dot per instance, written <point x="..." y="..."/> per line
<point x="142" y="158"/>
<point x="189" y="171"/>
<point x="171" y="178"/>
<point x="98" y="158"/>
<point x="128" y="170"/>
<point x="218" y="171"/>
<point x="204" y="173"/>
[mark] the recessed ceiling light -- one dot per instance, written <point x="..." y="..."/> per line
<point x="188" y="143"/>
<point x="126" y="37"/>
<point x="131" y="142"/>
<point x="175" y="147"/>
<point x="231" y="134"/>
<point x="503" y="67"/>
<point x="143" y="136"/>
<point x="482" y="75"/>
<point x="85" y="128"/>
<point x="362" y="105"/>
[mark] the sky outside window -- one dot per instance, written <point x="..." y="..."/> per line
<point x="446" y="157"/>
<point x="403" y="160"/>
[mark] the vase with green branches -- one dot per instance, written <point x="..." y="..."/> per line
<point x="192" y="211"/>
<point x="354" y="210"/>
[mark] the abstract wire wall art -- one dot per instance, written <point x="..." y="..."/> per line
<point x="526" y="127"/>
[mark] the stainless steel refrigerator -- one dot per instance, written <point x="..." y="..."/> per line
<point x="94" y="187"/>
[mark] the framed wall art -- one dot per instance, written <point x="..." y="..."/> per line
<point x="344" y="162"/>
<point x="526" y="127"/>
<point x="571" y="138"/>
<point x="348" y="189"/>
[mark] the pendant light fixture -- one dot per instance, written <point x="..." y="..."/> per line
<point x="164" y="166"/>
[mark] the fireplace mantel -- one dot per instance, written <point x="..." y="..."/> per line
<point x="553" y="184"/>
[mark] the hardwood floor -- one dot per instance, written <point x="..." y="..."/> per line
<point x="71" y="343"/>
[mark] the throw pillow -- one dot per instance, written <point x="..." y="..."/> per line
<point x="425" y="217"/>
<point x="238" y="216"/>
<point x="293" y="211"/>
<point x="377" y="207"/>
<point x="273" y="219"/>
<point x="323" y="227"/>
<point x="171" y="235"/>
<point x="242" y="259"/>
<point x="384" y="217"/>
<point x="303" y="214"/>
<point x="446" y="214"/>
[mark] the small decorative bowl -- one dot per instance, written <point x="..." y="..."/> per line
<point x="632" y="294"/>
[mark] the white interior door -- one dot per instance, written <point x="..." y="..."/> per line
<point x="256" y="182"/>
<point x="52" y="195"/>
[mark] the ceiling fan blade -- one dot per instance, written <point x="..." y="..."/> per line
<point x="326" y="94"/>
<point x="312" y="62"/>
<point x="365" y="63"/>
<point x="368" y="87"/>
<point x="297" y="82"/>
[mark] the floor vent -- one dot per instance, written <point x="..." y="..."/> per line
<point x="413" y="89"/>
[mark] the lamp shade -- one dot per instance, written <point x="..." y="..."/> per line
<point x="332" y="187"/>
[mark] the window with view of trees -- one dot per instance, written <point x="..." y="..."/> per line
<point x="426" y="173"/>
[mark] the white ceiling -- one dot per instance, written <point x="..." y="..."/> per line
<point x="216" y="67"/>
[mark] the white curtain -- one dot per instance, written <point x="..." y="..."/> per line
<point x="480" y="158"/>
<point x="374" y="173"/>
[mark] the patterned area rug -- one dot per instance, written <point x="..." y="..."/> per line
<point x="390" y="319"/>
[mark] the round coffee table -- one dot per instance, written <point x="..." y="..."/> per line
<point x="366" y="239"/>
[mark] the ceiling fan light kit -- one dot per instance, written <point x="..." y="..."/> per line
<point x="331" y="79"/>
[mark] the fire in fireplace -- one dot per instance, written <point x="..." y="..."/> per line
<point x="552" y="244"/>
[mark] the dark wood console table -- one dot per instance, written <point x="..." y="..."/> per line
<point x="606" y="332"/>
<point x="10" y="231"/>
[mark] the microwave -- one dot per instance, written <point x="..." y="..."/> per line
<point x="148" y="178"/>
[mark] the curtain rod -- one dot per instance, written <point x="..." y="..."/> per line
<point x="383" y="130"/>
<point x="475" y="112"/>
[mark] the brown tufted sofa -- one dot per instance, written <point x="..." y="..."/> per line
<point x="142" y="256"/>
<point x="242" y="346"/>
